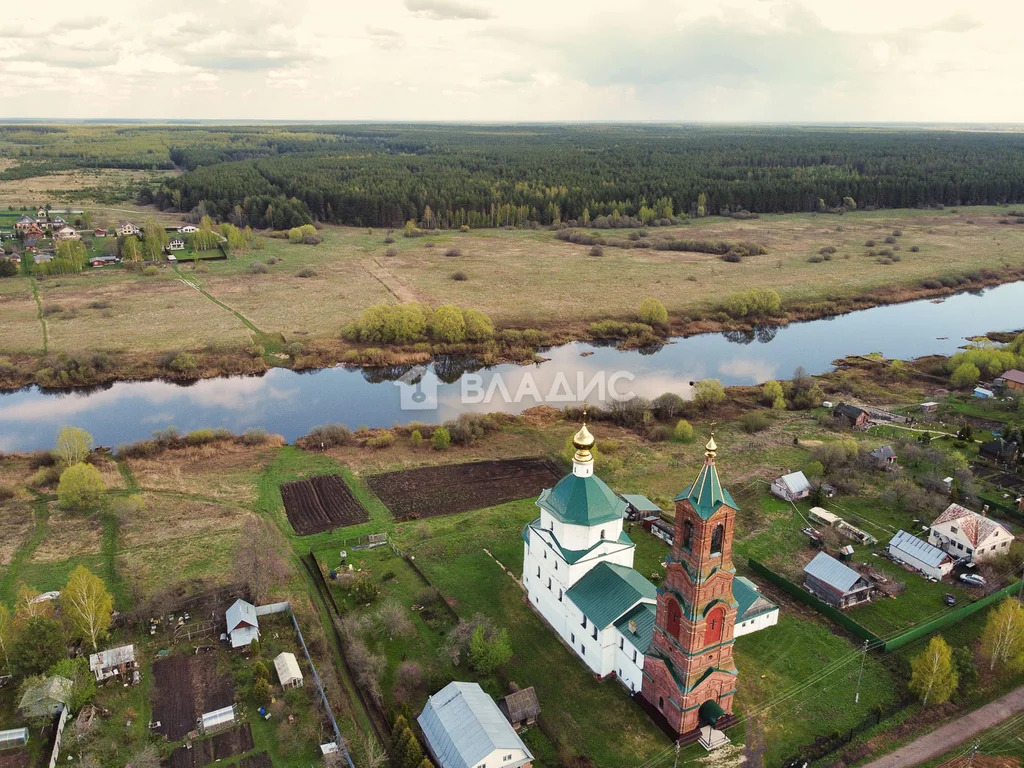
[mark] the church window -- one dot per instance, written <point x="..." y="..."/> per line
<point x="661" y="702"/>
<point x="713" y="629"/>
<point x="538" y="571"/>
<point x="583" y="650"/>
<point x="549" y="582"/>
<point x="634" y="657"/>
<point x="716" y="539"/>
<point x="595" y="631"/>
<point x="545" y="554"/>
<point x="584" y="625"/>
<point x="556" y="565"/>
<point x="687" y="534"/>
<point x="675" y="615"/>
<point x="572" y="637"/>
<point x="602" y="534"/>
<point x="622" y="643"/>
<point x="559" y="595"/>
<point x="632" y="687"/>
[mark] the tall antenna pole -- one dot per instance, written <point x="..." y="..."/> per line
<point x="863" y="656"/>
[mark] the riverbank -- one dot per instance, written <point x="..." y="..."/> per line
<point x="76" y="371"/>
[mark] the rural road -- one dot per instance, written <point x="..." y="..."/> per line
<point x="953" y="734"/>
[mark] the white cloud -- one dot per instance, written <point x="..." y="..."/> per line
<point x="740" y="60"/>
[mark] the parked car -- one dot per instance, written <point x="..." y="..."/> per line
<point x="950" y="600"/>
<point x="973" y="579"/>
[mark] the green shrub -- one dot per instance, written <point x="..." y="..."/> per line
<point x="441" y="439"/>
<point x="381" y="440"/>
<point x="683" y="432"/>
<point x="652" y="312"/>
<point x="754" y="304"/>
<point x="755" y="421"/>
<point x="151" y="270"/>
<point x="183" y="362"/>
<point x="81" y="488"/>
<point x="329" y="436"/>
<point x="306" y="272"/>
<point x="416" y="438"/>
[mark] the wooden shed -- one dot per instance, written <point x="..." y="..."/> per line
<point x="521" y="708"/>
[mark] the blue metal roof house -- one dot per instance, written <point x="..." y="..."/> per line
<point x="837" y="584"/>
<point x="920" y="555"/>
<point x="464" y="728"/>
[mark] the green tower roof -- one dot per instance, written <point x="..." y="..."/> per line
<point x="582" y="501"/>
<point x="706" y="494"/>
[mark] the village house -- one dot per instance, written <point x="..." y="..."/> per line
<point x="850" y="414"/>
<point x="884" y="457"/>
<point x="964" y="533"/>
<point x="67" y="233"/>
<point x="835" y="583"/>
<point x="45" y="697"/>
<point x="288" y="672"/>
<point x="754" y="611"/>
<point x="115" y="662"/>
<point x="920" y="555"/>
<point x="999" y="450"/>
<point x="25" y="223"/>
<point x="125" y="228"/>
<point x="521" y="708"/>
<point x="99" y="233"/>
<point x="243" y="624"/>
<point x="791" y="487"/>
<point x="176" y="244"/>
<point x="188" y="229"/>
<point x="464" y="728"/>
<point x="1013" y="379"/>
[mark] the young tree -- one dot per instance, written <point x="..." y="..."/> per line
<point x="1002" y="642"/>
<point x="708" y="393"/>
<point x="486" y="654"/>
<point x="683" y="431"/>
<point x="258" y="559"/>
<point x="965" y="375"/>
<point x="87" y="605"/>
<point x="6" y="635"/>
<point x="966" y="670"/>
<point x="441" y="439"/>
<point x="80" y="488"/>
<point x="653" y="312"/>
<point x="448" y="324"/>
<point x="83" y="682"/>
<point x="772" y="394"/>
<point x="73" y="446"/>
<point x="932" y="676"/>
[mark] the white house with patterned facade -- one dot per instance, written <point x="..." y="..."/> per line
<point x="578" y="573"/>
<point x="964" y="533"/>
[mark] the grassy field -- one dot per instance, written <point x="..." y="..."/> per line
<point x="522" y="278"/>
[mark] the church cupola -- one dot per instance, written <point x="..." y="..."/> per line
<point x="583" y="459"/>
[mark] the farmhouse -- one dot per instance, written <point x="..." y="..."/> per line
<point x="24" y="223"/>
<point x="578" y="568"/>
<point x="638" y="507"/>
<point x="520" y="708"/>
<point x="115" y="662"/>
<point x="464" y="728"/>
<point x="753" y="611"/>
<point x="99" y="233"/>
<point x="851" y="414"/>
<point x="125" y="228"/>
<point x="999" y="451"/>
<point x="67" y="233"/>
<point x="920" y="555"/>
<point x="288" y="672"/>
<point x="176" y="244"/>
<point x="1011" y="380"/>
<point x="963" y="533"/>
<point x="45" y="697"/>
<point x="188" y="229"/>
<point x="884" y="456"/>
<point x="791" y="487"/>
<point x="243" y="624"/>
<point x="838" y="585"/>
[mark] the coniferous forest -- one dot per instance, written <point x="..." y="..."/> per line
<point x="280" y="176"/>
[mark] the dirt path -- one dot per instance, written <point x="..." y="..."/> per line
<point x="39" y="310"/>
<point x="952" y="735"/>
<point x="192" y="283"/>
<point x="396" y="287"/>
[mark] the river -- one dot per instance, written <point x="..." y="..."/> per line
<point x="290" y="403"/>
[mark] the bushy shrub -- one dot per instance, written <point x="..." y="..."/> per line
<point x="151" y="270"/>
<point x="328" y="436"/>
<point x="755" y="421"/>
<point x="381" y="440"/>
<point x="441" y="439"/>
<point x="459" y="277"/>
<point x="183" y="362"/>
<point x="258" y="268"/>
<point x="755" y="303"/>
<point x="816" y="259"/>
<point x="683" y="431"/>
<point x="254" y="436"/>
<point x="388" y="240"/>
<point x="306" y="272"/>
<point x="453" y="252"/>
<point x="652" y="312"/>
<point x="392" y="251"/>
<point x="597" y="250"/>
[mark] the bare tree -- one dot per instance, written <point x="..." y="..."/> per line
<point x="258" y="559"/>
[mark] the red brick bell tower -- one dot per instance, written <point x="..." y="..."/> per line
<point x="689" y="673"/>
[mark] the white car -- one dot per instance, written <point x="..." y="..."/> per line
<point x="973" y="578"/>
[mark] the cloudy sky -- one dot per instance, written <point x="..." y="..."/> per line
<point x="674" y="60"/>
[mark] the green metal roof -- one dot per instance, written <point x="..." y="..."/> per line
<point x="642" y="503"/>
<point x="746" y="594"/>
<point x="644" y="616"/>
<point x="572" y="556"/>
<point x="709" y="712"/>
<point x="582" y="501"/>
<point x="608" y="591"/>
<point x="707" y="494"/>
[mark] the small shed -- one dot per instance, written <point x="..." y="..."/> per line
<point x="243" y="624"/>
<point x="851" y="414"/>
<point x="113" y="662"/>
<point x="639" y="507"/>
<point x="983" y="393"/>
<point x="920" y="555"/>
<point x="13" y="738"/>
<point x="288" y="672"/>
<point x="216" y="720"/>
<point x="930" y="407"/>
<point x="836" y="584"/>
<point x="663" y="529"/>
<point x="823" y="516"/>
<point x="1013" y="379"/>
<point x="46" y="697"/>
<point x="884" y="456"/>
<point x="792" y="487"/>
<point x="521" y="708"/>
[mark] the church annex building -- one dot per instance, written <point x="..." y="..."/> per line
<point x="672" y="644"/>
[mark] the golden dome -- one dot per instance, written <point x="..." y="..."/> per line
<point x="583" y="440"/>
<point x="711" y="448"/>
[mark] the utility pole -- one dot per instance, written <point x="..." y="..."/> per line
<point x="863" y="656"/>
<point x="675" y="763"/>
<point x="974" y="751"/>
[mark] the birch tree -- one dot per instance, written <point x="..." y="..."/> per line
<point x="73" y="445"/>
<point x="932" y="677"/>
<point x="1002" y="642"/>
<point x="87" y="605"/>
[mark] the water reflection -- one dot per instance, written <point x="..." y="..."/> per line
<point x="292" y="402"/>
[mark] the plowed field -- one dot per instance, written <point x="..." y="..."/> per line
<point x="321" y="503"/>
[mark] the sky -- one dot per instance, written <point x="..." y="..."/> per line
<point x="529" y="60"/>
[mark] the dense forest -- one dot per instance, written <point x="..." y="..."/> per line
<point x="447" y="176"/>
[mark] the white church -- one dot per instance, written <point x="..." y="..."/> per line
<point x="578" y="574"/>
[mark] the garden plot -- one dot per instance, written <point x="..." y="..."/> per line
<point x="321" y="503"/>
<point x="445" y="490"/>
<point x="237" y="741"/>
<point x="262" y="760"/>
<point x="184" y="688"/>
